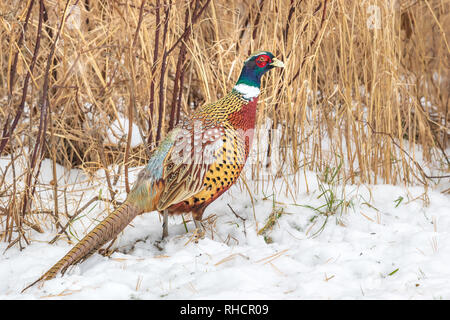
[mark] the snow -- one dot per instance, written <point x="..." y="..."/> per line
<point x="374" y="242"/>
<point x="119" y="130"/>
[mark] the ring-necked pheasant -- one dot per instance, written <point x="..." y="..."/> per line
<point x="198" y="161"/>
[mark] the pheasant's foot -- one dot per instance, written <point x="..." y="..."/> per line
<point x="106" y="252"/>
<point x="199" y="232"/>
<point x="159" y="244"/>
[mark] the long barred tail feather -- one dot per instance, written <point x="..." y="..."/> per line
<point x="107" y="230"/>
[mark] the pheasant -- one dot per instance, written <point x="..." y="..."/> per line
<point x="198" y="161"/>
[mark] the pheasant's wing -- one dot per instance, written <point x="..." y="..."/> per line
<point x="187" y="162"/>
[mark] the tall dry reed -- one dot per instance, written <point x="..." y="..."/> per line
<point x="366" y="83"/>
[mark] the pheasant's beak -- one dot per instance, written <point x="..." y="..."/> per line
<point x="277" y="63"/>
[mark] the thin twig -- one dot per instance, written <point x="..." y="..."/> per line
<point x="405" y="152"/>
<point x="75" y="215"/>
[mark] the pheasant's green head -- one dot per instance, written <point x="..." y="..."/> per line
<point x="254" y="68"/>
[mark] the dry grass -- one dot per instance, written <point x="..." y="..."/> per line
<point x="370" y="76"/>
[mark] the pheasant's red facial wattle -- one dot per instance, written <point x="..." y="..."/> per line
<point x="262" y="60"/>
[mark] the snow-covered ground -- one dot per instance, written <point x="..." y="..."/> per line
<point x="382" y="242"/>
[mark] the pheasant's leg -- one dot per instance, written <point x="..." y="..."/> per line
<point x="197" y="215"/>
<point x="199" y="230"/>
<point x="107" y="252"/>
<point x="165" y="224"/>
